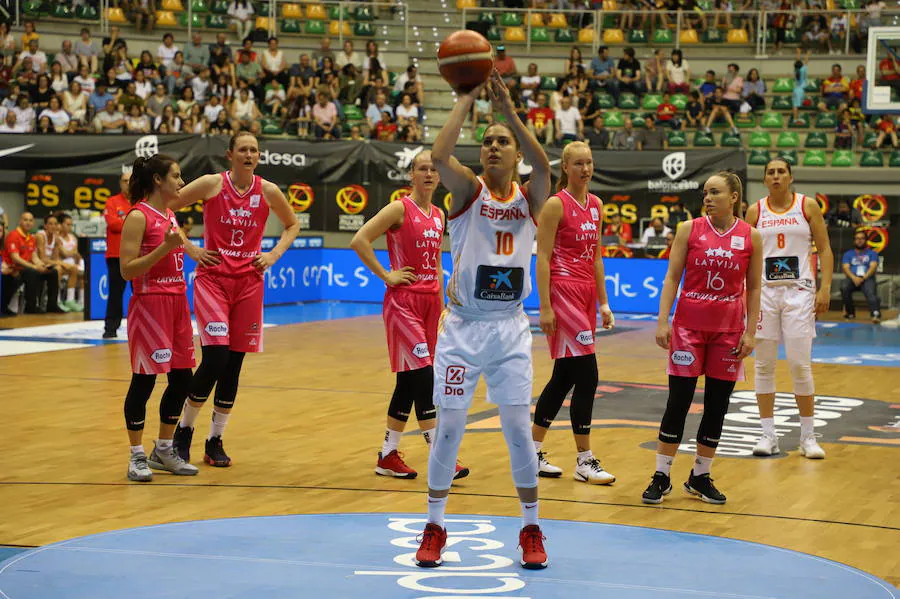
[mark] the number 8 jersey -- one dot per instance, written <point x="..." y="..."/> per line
<point x="787" y="243"/>
<point x="491" y="244"/>
<point x="234" y="224"/>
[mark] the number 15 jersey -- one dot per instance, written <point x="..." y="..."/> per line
<point x="234" y="224"/>
<point x="491" y="244"/>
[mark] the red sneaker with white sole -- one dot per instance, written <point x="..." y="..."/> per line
<point x="531" y="542"/>
<point x="461" y="471"/>
<point x="434" y="538"/>
<point x="393" y="465"/>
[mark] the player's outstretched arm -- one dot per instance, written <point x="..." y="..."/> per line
<point x="197" y="190"/>
<point x="458" y="179"/>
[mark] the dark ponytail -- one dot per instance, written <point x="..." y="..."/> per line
<point x="141" y="183"/>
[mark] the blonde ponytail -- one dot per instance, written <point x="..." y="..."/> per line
<point x="734" y="183"/>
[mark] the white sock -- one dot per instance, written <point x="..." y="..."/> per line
<point x="429" y="437"/>
<point x="806" y="426"/>
<point x="768" y="426"/>
<point x="137" y="449"/>
<point x="538" y="445"/>
<point x="164" y="443"/>
<point x="436" y="509"/>
<point x="664" y="463"/>
<point x="189" y="415"/>
<point x="529" y="513"/>
<point x="219" y="420"/>
<point x="70" y="294"/>
<point x="391" y="441"/>
<point x="702" y="465"/>
<point x="584" y="456"/>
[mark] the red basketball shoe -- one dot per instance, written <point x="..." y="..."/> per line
<point x="433" y="540"/>
<point x="393" y="465"/>
<point x="531" y="542"/>
<point x="461" y="471"/>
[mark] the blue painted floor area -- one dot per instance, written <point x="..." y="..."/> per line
<point x="370" y="555"/>
<point x="8" y="552"/>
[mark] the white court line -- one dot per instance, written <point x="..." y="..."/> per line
<point x="9" y="347"/>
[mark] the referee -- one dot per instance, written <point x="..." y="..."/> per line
<point x="117" y="208"/>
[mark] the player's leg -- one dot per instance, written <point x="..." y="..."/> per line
<point x="799" y="329"/>
<point x="548" y="405"/>
<point x="139" y="392"/>
<point x="716" y="396"/>
<point x="226" y="394"/>
<point x="390" y="463"/>
<point x="587" y="466"/>
<point x="768" y="333"/>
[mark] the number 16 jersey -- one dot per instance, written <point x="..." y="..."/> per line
<point x="234" y="224"/>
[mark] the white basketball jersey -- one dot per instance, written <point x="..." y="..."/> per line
<point x="491" y="243"/>
<point x="787" y="243"/>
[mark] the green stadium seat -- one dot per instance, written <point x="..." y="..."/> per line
<point x="637" y="36"/>
<point x="816" y="139"/>
<point x="788" y="139"/>
<point x="363" y="13"/>
<point x="770" y="36"/>
<point x="219" y="7"/>
<point x="61" y="11"/>
<point x="679" y="101"/>
<point x="662" y="36"/>
<point x="314" y="27"/>
<point x="493" y="34"/>
<point x="487" y="17"/>
<point x="792" y="36"/>
<point x="628" y="102"/>
<point x="352" y="112"/>
<point x="745" y="120"/>
<point x="703" y="139"/>
<point x="814" y="158"/>
<point x="872" y="158"/>
<point x="196" y="20"/>
<point x="812" y="86"/>
<point x="199" y="6"/>
<point x="783" y="85"/>
<point x="677" y="139"/>
<point x="564" y="36"/>
<point x="263" y="9"/>
<point x="850" y="4"/>
<point x="782" y="103"/>
<point x="540" y="34"/>
<point x="790" y="156"/>
<point x="895" y="159"/>
<point x="86" y="12"/>
<point x="335" y="13"/>
<point x="712" y="36"/>
<point x="216" y="21"/>
<point x="605" y="101"/>
<point x="32" y="8"/>
<point x="637" y="120"/>
<point x="826" y="120"/>
<point x="479" y="133"/>
<point x="801" y="122"/>
<point x="511" y="19"/>
<point x="549" y="83"/>
<point x="698" y="81"/>
<point x="363" y="29"/>
<point x="651" y="101"/>
<point x="810" y="103"/>
<point x="758" y="157"/>
<point x="869" y="139"/>
<point x="842" y="158"/>
<point x="772" y="120"/>
<point x="730" y="140"/>
<point x="610" y="22"/>
<point x="760" y="139"/>
<point x="271" y="128"/>
<point x="613" y="118"/>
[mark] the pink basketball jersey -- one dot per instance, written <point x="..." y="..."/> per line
<point x="234" y="224"/>
<point x="417" y="243"/>
<point x="167" y="275"/>
<point x="712" y="296"/>
<point x="576" y="239"/>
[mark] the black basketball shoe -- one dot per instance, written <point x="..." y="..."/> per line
<point x="215" y="453"/>
<point x="182" y="442"/>
<point x="659" y="486"/>
<point x="703" y="487"/>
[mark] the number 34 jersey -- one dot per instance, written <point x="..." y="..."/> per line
<point x="491" y="244"/>
<point x="713" y="292"/>
<point x="234" y="224"/>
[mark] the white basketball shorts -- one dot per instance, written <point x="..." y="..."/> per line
<point x="787" y="312"/>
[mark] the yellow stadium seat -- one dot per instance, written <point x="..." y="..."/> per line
<point x="262" y="23"/>
<point x="610" y="5"/>
<point x="461" y="4"/>
<point x="558" y="21"/>
<point x="315" y="11"/>
<point x="334" y="28"/>
<point x="164" y="18"/>
<point x="173" y="5"/>
<point x="737" y="36"/>
<point x="689" y="36"/>
<point x="613" y="36"/>
<point x="830" y="5"/>
<point x="586" y="36"/>
<point x="514" y="34"/>
<point x="291" y="11"/>
<point x="115" y="15"/>
<point x="537" y="19"/>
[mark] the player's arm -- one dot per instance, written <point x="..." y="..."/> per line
<point x="677" y="258"/>
<point x="440" y="260"/>
<point x="133" y="266"/>
<point x="389" y="217"/>
<point x="753" y="286"/>
<point x="548" y="223"/>
<point x="458" y="179"/>
<point x="201" y="256"/>
<point x="752" y="215"/>
<point x="197" y="190"/>
<point x="279" y="205"/>
<point x="823" y="245"/>
<point x="606" y="315"/>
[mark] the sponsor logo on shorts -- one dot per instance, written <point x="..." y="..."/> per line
<point x="456" y="375"/>
<point x="421" y="350"/>
<point x="217" y="329"/>
<point x="683" y="358"/>
<point x="585" y="337"/>
<point x="252" y="342"/>
<point x="161" y="356"/>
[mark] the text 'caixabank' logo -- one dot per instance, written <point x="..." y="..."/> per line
<point x="301" y="196"/>
<point x="352" y="199"/>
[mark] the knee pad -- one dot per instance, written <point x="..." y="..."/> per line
<point x="451" y="425"/>
<point x="227" y="385"/>
<point x="213" y="362"/>
<point x="766" y="358"/>
<point x="136" y="400"/>
<point x="554" y="393"/>
<point x="681" y="394"/>
<point x="402" y="398"/>
<point x="516" y="424"/>
<point x="799" y="356"/>
<point x="716" y="397"/>
<point x="423" y="393"/>
<point x="582" y="407"/>
<point x="172" y="402"/>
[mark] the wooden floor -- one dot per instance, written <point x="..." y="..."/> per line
<point x="309" y="420"/>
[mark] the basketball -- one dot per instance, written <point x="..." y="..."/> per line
<point x="465" y="60"/>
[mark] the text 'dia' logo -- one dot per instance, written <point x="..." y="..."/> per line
<point x="400" y="193"/>
<point x="421" y="350"/>
<point x="216" y="329"/>
<point x="674" y="164"/>
<point x="146" y="146"/>
<point x="456" y="375"/>
<point x="161" y="356"/>
<point x="585" y="337"/>
<point x="301" y="196"/>
<point x="352" y="199"/>
<point x="683" y="358"/>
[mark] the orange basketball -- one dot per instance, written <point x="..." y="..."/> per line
<point x="465" y="60"/>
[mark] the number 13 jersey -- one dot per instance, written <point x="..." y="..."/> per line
<point x="712" y="295"/>
<point x="234" y="224"/>
<point x="491" y="244"/>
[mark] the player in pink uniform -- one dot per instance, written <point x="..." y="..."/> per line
<point x="413" y="303"/>
<point x="570" y="281"/>
<point x="720" y="256"/>
<point x="160" y="339"/>
<point x="228" y="295"/>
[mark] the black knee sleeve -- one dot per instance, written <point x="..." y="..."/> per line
<point x="227" y="385"/>
<point x="716" y="397"/>
<point x="554" y="393"/>
<point x="173" y="398"/>
<point x="681" y="394"/>
<point x="136" y="400"/>
<point x="423" y="396"/>
<point x="582" y="406"/>
<point x="403" y="397"/>
<point x="212" y="364"/>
